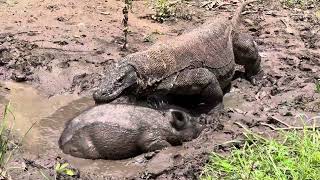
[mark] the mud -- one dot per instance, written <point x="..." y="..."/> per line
<point x="57" y="52"/>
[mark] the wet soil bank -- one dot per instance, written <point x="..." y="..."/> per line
<point x="57" y="52"/>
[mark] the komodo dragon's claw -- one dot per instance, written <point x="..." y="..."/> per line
<point x="255" y="79"/>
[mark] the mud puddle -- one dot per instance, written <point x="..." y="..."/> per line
<point x="49" y="116"/>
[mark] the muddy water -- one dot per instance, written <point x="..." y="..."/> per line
<point x="235" y="101"/>
<point x="28" y="107"/>
<point x="49" y="116"/>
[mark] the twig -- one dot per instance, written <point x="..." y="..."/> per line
<point x="220" y="5"/>
<point x="249" y="12"/>
<point x="65" y="50"/>
<point x="285" y="23"/>
<point x="250" y="132"/>
<point x="228" y="144"/>
<point x="22" y="32"/>
<point x="290" y="128"/>
<point x="206" y="3"/>
<point x="125" y="19"/>
<point x="298" y="128"/>
<point x="268" y="125"/>
<point x="241" y="125"/>
<point x="279" y="121"/>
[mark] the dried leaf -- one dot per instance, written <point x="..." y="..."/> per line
<point x="57" y="166"/>
<point x="64" y="165"/>
<point x="69" y="172"/>
<point x="318" y="14"/>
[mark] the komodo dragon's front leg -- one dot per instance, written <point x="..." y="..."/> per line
<point x="200" y="83"/>
<point x="246" y="54"/>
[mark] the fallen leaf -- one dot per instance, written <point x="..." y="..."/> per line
<point x="318" y="14"/>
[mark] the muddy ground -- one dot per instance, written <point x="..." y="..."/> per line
<point x="60" y="48"/>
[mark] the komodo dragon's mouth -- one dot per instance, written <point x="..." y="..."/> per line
<point x="115" y="84"/>
<point x="103" y="95"/>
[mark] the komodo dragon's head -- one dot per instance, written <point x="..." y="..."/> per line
<point x="118" y="79"/>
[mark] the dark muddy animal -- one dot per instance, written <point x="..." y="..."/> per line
<point x="198" y="64"/>
<point x="118" y="131"/>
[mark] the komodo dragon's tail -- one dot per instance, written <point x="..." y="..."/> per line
<point x="236" y="17"/>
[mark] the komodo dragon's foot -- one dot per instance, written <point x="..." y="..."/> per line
<point x="255" y="79"/>
<point x="247" y="54"/>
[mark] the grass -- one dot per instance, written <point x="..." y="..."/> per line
<point x="295" y="157"/>
<point x="8" y="147"/>
<point x="5" y="134"/>
<point x="59" y="169"/>
<point x="163" y="10"/>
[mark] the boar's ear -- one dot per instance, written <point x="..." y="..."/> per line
<point x="178" y="119"/>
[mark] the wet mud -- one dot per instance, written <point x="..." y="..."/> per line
<point x="53" y="54"/>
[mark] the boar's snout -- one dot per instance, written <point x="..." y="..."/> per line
<point x="185" y="124"/>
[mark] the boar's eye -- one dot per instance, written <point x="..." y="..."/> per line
<point x="73" y="150"/>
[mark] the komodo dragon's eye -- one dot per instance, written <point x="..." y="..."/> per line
<point x="120" y="80"/>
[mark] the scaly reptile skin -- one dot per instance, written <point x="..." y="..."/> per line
<point x="200" y="63"/>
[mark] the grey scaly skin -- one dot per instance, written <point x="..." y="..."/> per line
<point x="200" y="63"/>
<point x="119" y="131"/>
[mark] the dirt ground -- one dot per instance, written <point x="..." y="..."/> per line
<point x="62" y="47"/>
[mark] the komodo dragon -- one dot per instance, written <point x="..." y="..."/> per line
<point x="199" y="63"/>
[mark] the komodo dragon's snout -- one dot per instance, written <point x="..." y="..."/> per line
<point x="115" y="83"/>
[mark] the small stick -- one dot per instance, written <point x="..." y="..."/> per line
<point x="268" y="125"/>
<point x="278" y="120"/>
<point x="285" y="23"/>
<point x="223" y="4"/>
<point x="298" y="128"/>
<point x="249" y="12"/>
<point x="290" y="128"/>
<point x="229" y="143"/>
<point x="125" y="24"/>
<point x="66" y="50"/>
<point x="125" y="12"/>
<point x="241" y="125"/>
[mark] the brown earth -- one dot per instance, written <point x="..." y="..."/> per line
<point x="61" y="47"/>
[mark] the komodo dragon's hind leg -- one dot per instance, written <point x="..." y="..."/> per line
<point x="199" y="82"/>
<point x="246" y="54"/>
